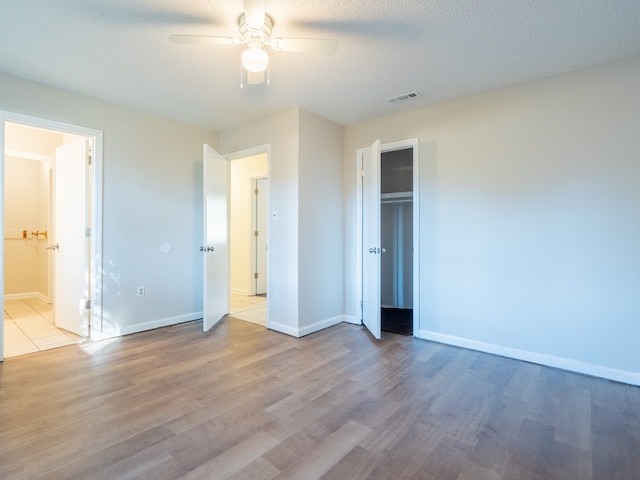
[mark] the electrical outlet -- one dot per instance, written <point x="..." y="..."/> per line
<point x="141" y="291"/>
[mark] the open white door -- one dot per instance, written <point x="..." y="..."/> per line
<point x="371" y="239"/>
<point x="216" y="238"/>
<point x="69" y="245"/>
<point x="262" y="224"/>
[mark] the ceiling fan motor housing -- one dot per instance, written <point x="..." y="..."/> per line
<point x="255" y="37"/>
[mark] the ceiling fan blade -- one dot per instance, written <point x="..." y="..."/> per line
<point x="254" y="12"/>
<point x="306" y="45"/>
<point x="204" y="39"/>
<point x="255" y="78"/>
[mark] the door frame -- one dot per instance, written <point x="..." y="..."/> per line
<point x="264" y="149"/>
<point x="255" y="221"/>
<point x="384" y="148"/>
<point x="95" y="274"/>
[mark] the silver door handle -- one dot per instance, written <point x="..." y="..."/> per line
<point x="206" y="248"/>
<point x="376" y="250"/>
<point x="210" y="249"/>
<point x="372" y="250"/>
<point x="53" y="246"/>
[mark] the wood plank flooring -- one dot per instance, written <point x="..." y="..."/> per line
<point x="242" y="402"/>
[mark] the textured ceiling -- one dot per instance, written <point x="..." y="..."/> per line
<point x="119" y="51"/>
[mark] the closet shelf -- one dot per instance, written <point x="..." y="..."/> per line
<point x="396" y="197"/>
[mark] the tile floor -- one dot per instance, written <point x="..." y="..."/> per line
<point x="28" y="323"/>
<point x="250" y="309"/>
<point x="28" y="328"/>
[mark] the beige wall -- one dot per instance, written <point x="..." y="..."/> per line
<point x="22" y="213"/>
<point x="321" y="232"/>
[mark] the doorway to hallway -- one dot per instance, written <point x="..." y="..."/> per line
<point x="248" y="196"/>
<point x="249" y="308"/>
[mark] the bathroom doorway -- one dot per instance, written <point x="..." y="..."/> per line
<point x="49" y="227"/>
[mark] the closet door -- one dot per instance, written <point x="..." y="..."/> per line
<point x="371" y="247"/>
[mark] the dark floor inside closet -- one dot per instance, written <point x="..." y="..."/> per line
<point x="397" y="320"/>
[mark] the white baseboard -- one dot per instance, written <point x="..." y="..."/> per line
<point x="321" y="325"/>
<point x="19" y="296"/>
<point x="309" y="329"/>
<point x="240" y="291"/>
<point x="150" y="325"/>
<point x="351" y="319"/>
<point x="282" y="328"/>
<point x="624" y="376"/>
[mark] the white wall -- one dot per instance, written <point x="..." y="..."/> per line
<point x="152" y="192"/>
<point x="241" y="196"/>
<point x="321" y="224"/>
<point x="530" y="230"/>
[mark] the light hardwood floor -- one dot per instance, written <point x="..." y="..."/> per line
<point x="244" y="402"/>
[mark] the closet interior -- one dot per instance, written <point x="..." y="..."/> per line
<point x="396" y="225"/>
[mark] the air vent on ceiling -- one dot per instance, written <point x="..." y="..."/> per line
<point x="404" y="97"/>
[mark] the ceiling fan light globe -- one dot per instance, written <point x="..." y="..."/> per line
<point x="255" y="59"/>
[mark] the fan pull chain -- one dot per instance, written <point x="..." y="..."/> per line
<point x="241" y="85"/>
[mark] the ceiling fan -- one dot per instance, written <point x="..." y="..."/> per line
<point x="255" y="32"/>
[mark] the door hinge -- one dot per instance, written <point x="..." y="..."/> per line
<point x="87" y="305"/>
<point x="362" y="172"/>
<point x="255" y="233"/>
<point x="361" y="304"/>
<point x="87" y="232"/>
<point x="89" y="159"/>
<point x="255" y="275"/>
<point x="256" y="191"/>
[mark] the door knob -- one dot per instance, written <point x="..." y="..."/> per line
<point x="372" y="250"/>
<point x="53" y="246"/>
<point x="210" y="249"/>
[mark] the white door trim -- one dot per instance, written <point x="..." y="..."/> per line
<point x="255" y="264"/>
<point x="389" y="147"/>
<point x="96" y="209"/>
